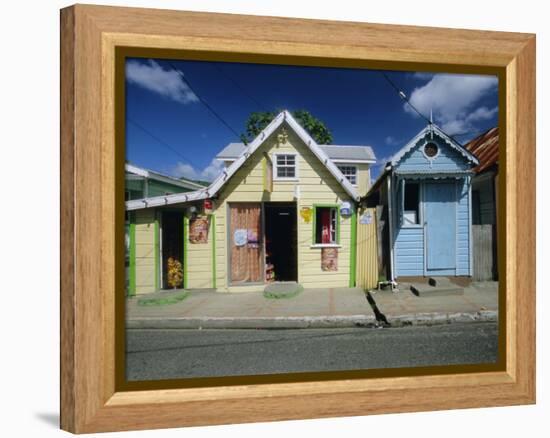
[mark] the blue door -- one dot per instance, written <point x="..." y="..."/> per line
<point x="440" y="220"/>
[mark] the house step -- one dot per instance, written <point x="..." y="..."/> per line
<point x="442" y="287"/>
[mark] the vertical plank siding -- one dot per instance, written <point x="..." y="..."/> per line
<point x="484" y="262"/>
<point x="317" y="186"/>
<point x="145" y="258"/>
<point x="367" y="251"/>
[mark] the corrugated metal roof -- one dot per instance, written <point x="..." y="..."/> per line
<point x="485" y="148"/>
<point x="334" y="152"/>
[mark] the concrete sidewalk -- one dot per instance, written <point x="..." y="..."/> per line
<point x="479" y="302"/>
<point x="314" y="308"/>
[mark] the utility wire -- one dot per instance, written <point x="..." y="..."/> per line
<point x="237" y="85"/>
<point x="403" y="96"/>
<point x="218" y="116"/>
<point x="157" y="139"/>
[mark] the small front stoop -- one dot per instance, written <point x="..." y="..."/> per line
<point x="436" y="286"/>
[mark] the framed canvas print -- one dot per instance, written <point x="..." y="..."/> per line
<point x="273" y="218"/>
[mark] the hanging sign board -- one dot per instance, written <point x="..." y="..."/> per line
<point x="305" y="212"/>
<point x="198" y="229"/>
<point x="329" y="259"/>
<point x="366" y="218"/>
<point x="240" y="237"/>
<point x="345" y="209"/>
<point x="208" y="206"/>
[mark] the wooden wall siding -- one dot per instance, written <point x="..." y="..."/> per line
<point x="486" y="200"/>
<point x="367" y="251"/>
<point x="409" y="252"/>
<point x="317" y="186"/>
<point x="199" y="261"/>
<point x="447" y="159"/>
<point x="145" y="251"/>
<point x="158" y="188"/>
<point x="483" y="252"/>
<point x="409" y="243"/>
<point x="363" y="178"/>
<point x="463" y="228"/>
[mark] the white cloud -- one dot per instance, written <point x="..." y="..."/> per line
<point x="452" y="98"/>
<point x="167" y="83"/>
<point x="209" y="173"/>
<point x="390" y="141"/>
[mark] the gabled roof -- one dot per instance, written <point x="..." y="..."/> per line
<point x="431" y="128"/>
<point x="221" y="180"/>
<point x="396" y="158"/>
<point x="485" y="148"/>
<point x="337" y="153"/>
<point x="150" y="174"/>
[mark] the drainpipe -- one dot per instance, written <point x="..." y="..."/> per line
<point x="390" y="219"/>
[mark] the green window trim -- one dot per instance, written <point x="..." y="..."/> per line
<point x="315" y="207"/>
<point x="353" y="249"/>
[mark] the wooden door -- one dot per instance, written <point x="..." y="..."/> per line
<point x="440" y="218"/>
<point x="246" y="243"/>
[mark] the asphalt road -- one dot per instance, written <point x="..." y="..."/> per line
<point x="168" y="354"/>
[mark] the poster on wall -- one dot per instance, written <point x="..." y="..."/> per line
<point x="329" y="259"/>
<point x="198" y="229"/>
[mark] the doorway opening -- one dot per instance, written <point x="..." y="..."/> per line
<point x="172" y="248"/>
<point x="281" y="241"/>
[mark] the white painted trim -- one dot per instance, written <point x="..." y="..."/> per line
<point x="158" y="201"/>
<point x="325" y="245"/>
<point x="228" y="172"/>
<point x="457" y="234"/>
<point x="349" y="165"/>
<point x="151" y="174"/>
<point x="296" y="176"/>
<point x="346" y="160"/>
<point x="321" y="155"/>
<point x="433" y="129"/>
<point x="424" y="231"/>
<point x="390" y="218"/>
<point x="430" y="159"/>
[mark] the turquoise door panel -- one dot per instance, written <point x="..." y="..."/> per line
<point x="440" y="219"/>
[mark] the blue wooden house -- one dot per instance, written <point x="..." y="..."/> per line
<point x="424" y="207"/>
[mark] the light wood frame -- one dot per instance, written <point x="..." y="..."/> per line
<point x="90" y="399"/>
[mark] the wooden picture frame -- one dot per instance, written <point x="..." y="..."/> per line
<point x="92" y="400"/>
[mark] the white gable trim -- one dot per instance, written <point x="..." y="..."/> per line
<point x="437" y="131"/>
<point x="228" y="172"/>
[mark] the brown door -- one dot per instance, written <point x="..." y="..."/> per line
<point x="245" y="243"/>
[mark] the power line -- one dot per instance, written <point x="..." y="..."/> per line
<point x="403" y="96"/>
<point x="242" y="90"/>
<point x="218" y="116"/>
<point x="158" y="139"/>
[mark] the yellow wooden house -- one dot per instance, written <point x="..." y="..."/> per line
<point x="283" y="209"/>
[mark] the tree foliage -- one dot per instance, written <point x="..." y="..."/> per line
<point x="257" y="121"/>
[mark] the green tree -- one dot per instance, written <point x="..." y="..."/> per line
<point x="257" y="121"/>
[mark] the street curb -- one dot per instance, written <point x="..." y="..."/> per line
<point x="280" y="322"/>
<point x="442" y="318"/>
<point x="296" y="322"/>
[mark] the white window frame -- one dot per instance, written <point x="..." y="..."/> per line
<point x="340" y="166"/>
<point x="276" y="176"/>
<point x="333" y="228"/>
<point x="420" y="215"/>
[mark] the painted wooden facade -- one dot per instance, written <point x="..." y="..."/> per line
<point x="428" y="190"/>
<point x="317" y="184"/>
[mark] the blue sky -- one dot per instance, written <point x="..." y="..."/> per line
<point x="170" y="130"/>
